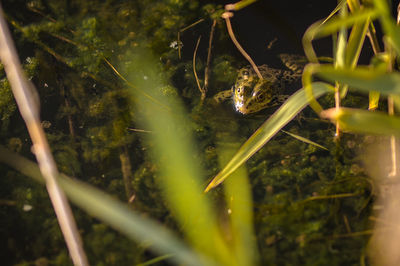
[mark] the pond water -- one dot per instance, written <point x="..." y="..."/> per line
<point x="310" y="204"/>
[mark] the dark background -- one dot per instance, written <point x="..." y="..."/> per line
<point x="285" y="22"/>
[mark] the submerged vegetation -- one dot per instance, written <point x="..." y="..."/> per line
<point x="125" y="91"/>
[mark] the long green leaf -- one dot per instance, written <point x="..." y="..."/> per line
<point x="340" y="45"/>
<point x="262" y="135"/>
<point x="363" y="78"/>
<point x="240" y="208"/>
<point x="336" y="24"/>
<point x="172" y="150"/>
<point x="363" y="121"/>
<point x="389" y="26"/>
<point x="355" y="43"/>
<point x="118" y="215"/>
<point x="241" y="4"/>
<point x="305" y="140"/>
<point x="311" y="32"/>
<point x="373" y="100"/>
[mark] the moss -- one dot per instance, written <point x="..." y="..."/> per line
<point x="293" y="226"/>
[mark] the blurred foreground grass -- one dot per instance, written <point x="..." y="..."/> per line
<point x="181" y="179"/>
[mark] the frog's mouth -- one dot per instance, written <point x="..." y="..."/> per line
<point x="252" y="100"/>
<point x="240" y="107"/>
<point x="242" y="95"/>
<point x="246" y="106"/>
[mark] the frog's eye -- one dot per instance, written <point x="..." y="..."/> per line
<point x="260" y="97"/>
<point x="245" y="74"/>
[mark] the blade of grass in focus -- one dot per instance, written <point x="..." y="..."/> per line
<point x="173" y="153"/>
<point x="355" y="44"/>
<point x="347" y="53"/>
<point x="360" y="18"/>
<point x="118" y="215"/>
<point x="356" y="39"/>
<point x="262" y="135"/>
<point x="239" y="5"/>
<point x="313" y="29"/>
<point x="334" y="25"/>
<point x="305" y="140"/>
<point x="363" y="78"/>
<point x="363" y="121"/>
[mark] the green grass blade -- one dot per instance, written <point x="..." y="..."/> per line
<point x="335" y="24"/>
<point x="262" y="135"/>
<point x="305" y="140"/>
<point x="339" y="7"/>
<point x="392" y="31"/>
<point x="310" y="33"/>
<point x="180" y="175"/>
<point x="118" y="215"/>
<point x="340" y="48"/>
<point x="363" y="121"/>
<point x="373" y="100"/>
<point x="355" y="43"/>
<point x="240" y="209"/>
<point x="155" y="260"/>
<point x="363" y="78"/>
<point x="239" y="5"/>
<point x="396" y="102"/>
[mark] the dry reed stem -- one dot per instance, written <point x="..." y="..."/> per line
<point x="148" y="96"/>
<point x="140" y="130"/>
<point x="182" y="30"/>
<point x="226" y="16"/>
<point x="336" y="196"/>
<point x="337" y="106"/>
<point x="24" y="94"/>
<point x="195" y="72"/>
<point x="393" y="172"/>
<point x="207" y="70"/>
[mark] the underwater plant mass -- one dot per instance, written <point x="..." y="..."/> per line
<point x="199" y="132"/>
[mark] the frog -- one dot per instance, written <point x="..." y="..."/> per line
<point x="251" y="94"/>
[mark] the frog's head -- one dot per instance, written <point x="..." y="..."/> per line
<point x="251" y="94"/>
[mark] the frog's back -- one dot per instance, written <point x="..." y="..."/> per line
<point x="252" y="94"/>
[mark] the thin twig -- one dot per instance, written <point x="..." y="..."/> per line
<point x="207" y="70"/>
<point x="63" y="60"/>
<point x="226" y="16"/>
<point x="134" y="87"/>
<point x="336" y="196"/>
<point x="182" y="30"/>
<point x="179" y="44"/>
<point x="337" y="106"/>
<point x="194" y="69"/>
<point x="355" y="234"/>
<point x="371" y="33"/>
<point x="191" y="25"/>
<point x="140" y="130"/>
<point x="347" y="224"/>
<point x="33" y="9"/>
<point x="372" y="38"/>
<point x="23" y="93"/>
<point x="393" y="172"/>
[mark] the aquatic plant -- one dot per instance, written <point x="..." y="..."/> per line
<point x="115" y="99"/>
